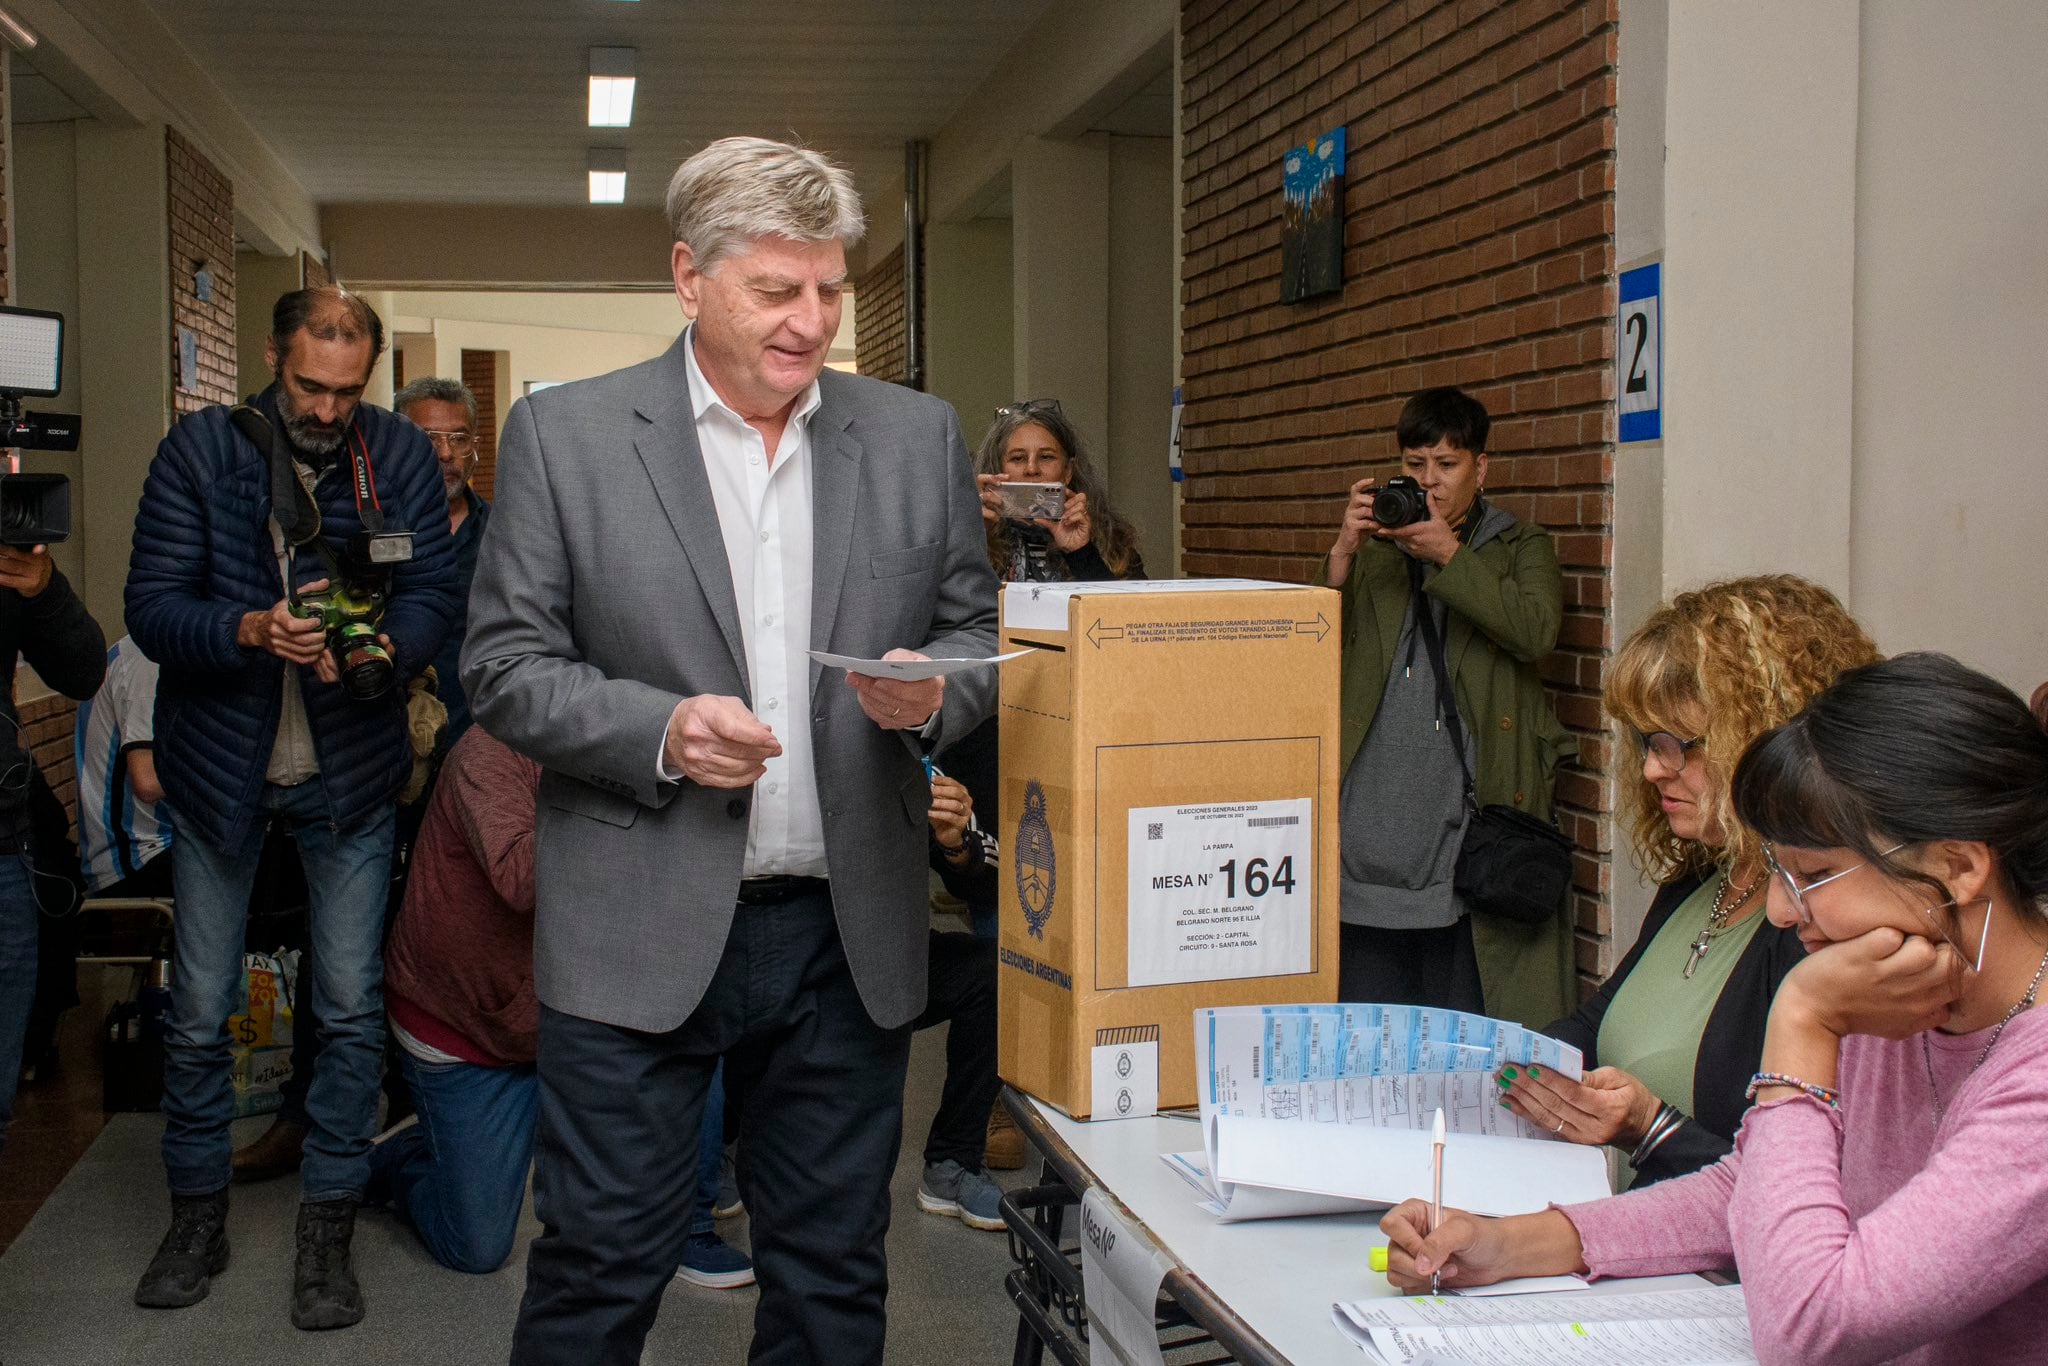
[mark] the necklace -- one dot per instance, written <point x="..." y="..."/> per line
<point x="1927" y="1049"/>
<point x="1725" y="905"/>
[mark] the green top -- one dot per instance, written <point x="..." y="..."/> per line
<point x="1653" y="1025"/>
<point x="1507" y="601"/>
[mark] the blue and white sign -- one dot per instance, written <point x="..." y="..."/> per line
<point x="1639" y="353"/>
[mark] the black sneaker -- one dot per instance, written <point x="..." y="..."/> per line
<point x="324" y="1289"/>
<point x="191" y="1254"/>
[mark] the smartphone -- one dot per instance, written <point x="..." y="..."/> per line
<point x="1028" y="502"/>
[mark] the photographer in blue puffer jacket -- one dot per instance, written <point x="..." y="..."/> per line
<point x="292" y="569"/>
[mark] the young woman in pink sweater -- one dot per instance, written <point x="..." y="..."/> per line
<point x="1887" y="1199"/>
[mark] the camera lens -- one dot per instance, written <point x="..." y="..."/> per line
<point x="364" y="663"/>
<point x="1400" y="503"/>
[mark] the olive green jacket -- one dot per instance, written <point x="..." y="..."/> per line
<point x="1506" y="600"/>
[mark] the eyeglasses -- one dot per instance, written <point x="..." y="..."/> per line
<point x="1797" y="892"/>
<point x="1024" y="407"/>
<point x="456" y="442"/>
<point x="1799" y="895"/>
<point x="1669" y="749"/>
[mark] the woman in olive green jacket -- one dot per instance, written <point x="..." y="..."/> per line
<point x="1497" y="591"/>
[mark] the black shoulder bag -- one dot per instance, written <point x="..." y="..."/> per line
<point x="1510" y="864"/>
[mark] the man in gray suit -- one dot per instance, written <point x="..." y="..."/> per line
<point x="730" y="847"/>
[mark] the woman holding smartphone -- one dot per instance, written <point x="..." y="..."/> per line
<point x="1886" y="1200"/>
<point x="1032" y="442"/>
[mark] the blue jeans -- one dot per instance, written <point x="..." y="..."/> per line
<point x="710" y="1154"/>
<point x="18" y="932"/>
<point x="346" y="874"/>
<point x="459" y="1175"/>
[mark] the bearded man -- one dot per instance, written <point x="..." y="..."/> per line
<point x="245" y="518"/>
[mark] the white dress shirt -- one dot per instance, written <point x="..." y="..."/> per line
<point x="764" y="511"/>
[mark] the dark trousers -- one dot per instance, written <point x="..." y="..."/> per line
<point x="1410" y="967"/>
<point x="818" y="1087"/>
<point x="961" y="982"/>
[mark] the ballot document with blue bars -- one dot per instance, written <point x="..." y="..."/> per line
<point x="1385" y="1065"/>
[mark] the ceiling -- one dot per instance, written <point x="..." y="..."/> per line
<point x="32" y="98"/>
<point x="484" y="103"/>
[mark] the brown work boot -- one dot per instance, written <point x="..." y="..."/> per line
<point x="1004" y="1151"/>
<point x="276" y="1152"/>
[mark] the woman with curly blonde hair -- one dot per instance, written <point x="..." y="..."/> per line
<point x="1675" y="1034"/>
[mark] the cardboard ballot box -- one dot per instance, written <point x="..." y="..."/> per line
<point x="1168" y="817"/>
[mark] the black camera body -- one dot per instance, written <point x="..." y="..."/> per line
<point x="351" y="606"/>
<point x="1400" y="502"/>
<point x="358" y="576"/>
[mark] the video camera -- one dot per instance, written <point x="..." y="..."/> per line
<point x="35" y="509"/>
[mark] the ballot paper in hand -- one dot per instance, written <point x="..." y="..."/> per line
<point x="1383" y="1065"/>
<point x="1325" y="1103"/>
<point x="909" y="669"/>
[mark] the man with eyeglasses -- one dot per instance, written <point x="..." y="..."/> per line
<point x="446" y="411"/>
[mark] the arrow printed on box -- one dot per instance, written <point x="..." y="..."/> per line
<point x="1097" y="633"/>
<point x="1318" y="628"/>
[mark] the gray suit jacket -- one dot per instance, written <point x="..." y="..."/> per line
<point x="603" y="598"/>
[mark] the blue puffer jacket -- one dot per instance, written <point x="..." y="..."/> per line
<point x="203" y="557"/>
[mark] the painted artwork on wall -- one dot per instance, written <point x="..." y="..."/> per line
<point x="1312" y="226"/>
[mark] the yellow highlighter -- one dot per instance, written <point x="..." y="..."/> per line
<point x="1379" y="1260"/>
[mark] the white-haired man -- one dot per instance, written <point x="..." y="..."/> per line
<point x="730" y="845"/>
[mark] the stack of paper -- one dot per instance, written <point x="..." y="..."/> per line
<point x="1314" y="1109"/>
<point x="1704" y="1327"/>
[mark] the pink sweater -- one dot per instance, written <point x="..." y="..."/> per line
<point x="1865" y="1236"/>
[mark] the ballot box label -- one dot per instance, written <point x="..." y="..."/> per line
<point x="1221" y="891"/>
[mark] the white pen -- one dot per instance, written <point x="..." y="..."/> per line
<point x="1436" y="1184"/>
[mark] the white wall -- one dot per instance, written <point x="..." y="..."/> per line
<point x="1950" y="497"/>
<point x="1759" y="292"/>
<point x="1851" y="202"/>
<point x="124" y="329"/>
<point x="1142" y="341"/>
<point x="44" y="257"/>
<point x="540" y="336"/>
<point x="1636" y="579"/>
<point x="1060" y="279"/>
<point x="968" y="359"/>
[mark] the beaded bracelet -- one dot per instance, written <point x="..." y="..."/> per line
<point x="1826" y="1095"/>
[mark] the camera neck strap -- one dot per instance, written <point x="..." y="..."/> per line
<point x="1423" y="609"/>
<point x="368" y="509"/>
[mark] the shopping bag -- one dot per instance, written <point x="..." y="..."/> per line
<point x="260" y="1035"/>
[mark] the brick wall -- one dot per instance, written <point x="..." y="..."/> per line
<point x="1479" y="251"/>
<point x="49" y="722"/>
<point x="878" y="331"/>
<point x="480" y="373"/>
<point x="202" y="226"/>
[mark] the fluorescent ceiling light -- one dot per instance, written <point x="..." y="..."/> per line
<point x="611" y="87"/>
<point x="607" y="175"/>
<point x="16" y="32"/>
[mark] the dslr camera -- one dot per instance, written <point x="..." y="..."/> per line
<point x="358" y="578"/>
<point x="350" y="607"/>
<point x="35" y="509"/>
<point x="1400" y="502"/>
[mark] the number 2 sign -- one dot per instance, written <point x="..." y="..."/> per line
<point x="1639" y="353"/>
